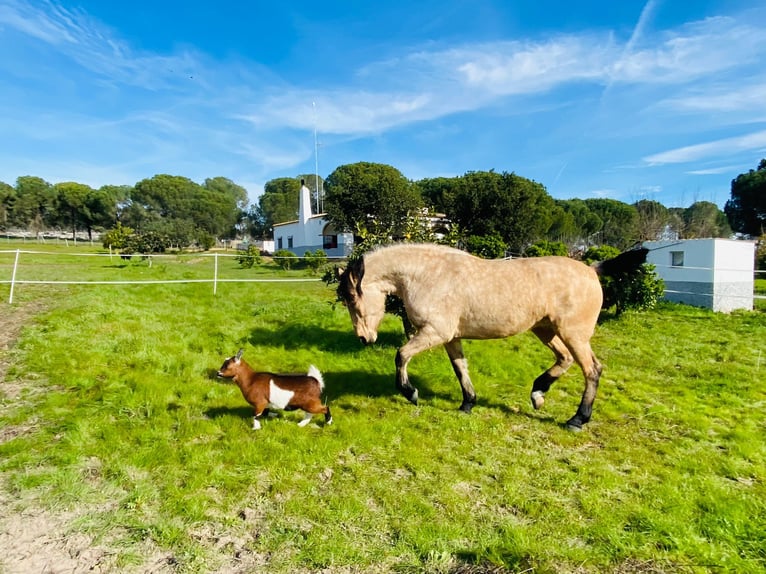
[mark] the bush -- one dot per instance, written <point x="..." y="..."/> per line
<point x="760" y="253"/>
<point x="640" y="290"/>
<point x="205" y="240"/>
<point x="314" y="261"/>
<point x="285" y="259"/>
<point x="116" y="237"/>
<point x="148" y="242"/>
<point x="486" y="246"/>
<point x="250" y="257"/>
<point x="544" y="248"/>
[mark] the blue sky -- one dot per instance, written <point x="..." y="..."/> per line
<point x="663" y="100"/>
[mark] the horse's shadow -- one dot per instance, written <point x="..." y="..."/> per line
<point x="343" y="386"/>
<point x="293" y="336"/>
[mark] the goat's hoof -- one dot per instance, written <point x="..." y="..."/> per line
<point x="413" y="398"/>
<point x="538" y="399"/>
<point x="466" y="408"/>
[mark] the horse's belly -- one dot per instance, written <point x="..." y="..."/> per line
<point x="493" y="327"/>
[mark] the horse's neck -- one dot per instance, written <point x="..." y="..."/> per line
<point x="389" y="273"/>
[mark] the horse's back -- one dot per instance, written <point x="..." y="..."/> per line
<point x="481" y="298"/>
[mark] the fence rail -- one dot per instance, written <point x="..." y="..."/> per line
<point x="215" y="279"/>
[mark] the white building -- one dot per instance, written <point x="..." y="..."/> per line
<point x="311" y="232"/>
<point x="713" y="273"/>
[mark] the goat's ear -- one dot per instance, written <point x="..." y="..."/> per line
<point x="339" y="271"/>
<point x="238" y="356"/>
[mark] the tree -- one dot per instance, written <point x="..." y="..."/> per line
<point x="703" y="219"/>
<point x="574" y="223"/>
<point x="434" y="190"/>
<point x="370" y="196"/>
<point x="516" y="209"/>
<point x="72" y="202"/>
<point x="652" y="219"/>
<point x="7" y="199"/>
<point x="35" y="203"/>
<point x="279" y="201"/>
<point x="619" y="222"/>
<point x="746" y="210"/>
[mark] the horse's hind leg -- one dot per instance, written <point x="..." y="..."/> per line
<point x="563" y="361"/>
<point x="591" y="368"/>
<point x="460" y="366"/>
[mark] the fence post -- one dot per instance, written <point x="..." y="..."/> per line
<point x="13" y="276"/>
<point x="215" y="276"/>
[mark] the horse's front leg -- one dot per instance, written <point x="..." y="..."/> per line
<point x="460" y="366"/>
<point x="424" y="339"/>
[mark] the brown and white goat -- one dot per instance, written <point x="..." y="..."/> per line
<point x="284" y="392"/>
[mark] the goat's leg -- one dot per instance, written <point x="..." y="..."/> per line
<point x="564" y="360"/>
<point x="424" y="339"/>
<point x="306" y="419"/>
<point x="259" y="410"/>
<point x="316" y="407"/>
<point x="460" y="366"/>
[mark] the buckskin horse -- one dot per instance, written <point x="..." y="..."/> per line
<point x="450" y="295"/>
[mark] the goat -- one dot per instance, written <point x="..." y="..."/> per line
<point x="284" y="392"/>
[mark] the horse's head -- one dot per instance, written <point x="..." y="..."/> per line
<point x="365" y="307"/>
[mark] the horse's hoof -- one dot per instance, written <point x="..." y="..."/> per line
<point x="538" y="399"/>
<point x="466" y="408"/>
<point x="574" y="426"/>
<point x="413" y="398"/>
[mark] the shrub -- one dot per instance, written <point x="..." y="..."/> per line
<point x="116" y="237"/>
<point x="284" y="258"/>
<point x="314" y="261"/>
<point x="148" y="242"/>
<point x="640" y="290"/>
<point x="544" y="248"/>
<point x="486" y="246"/>
<point x="760" y="253"/>
<point x="250" y="257"/>
<point x="205" y="240"/>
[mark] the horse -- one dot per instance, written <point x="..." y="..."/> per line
<point x="450" y="295"/>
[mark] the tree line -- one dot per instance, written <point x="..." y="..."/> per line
<point x="489" y="211"/>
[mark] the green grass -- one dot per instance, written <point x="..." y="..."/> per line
<point x="120" y="417"/>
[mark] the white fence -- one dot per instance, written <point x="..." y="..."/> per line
<point x="215" y="279"/>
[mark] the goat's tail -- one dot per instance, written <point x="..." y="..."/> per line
<point x="625" y="262"/>
<point x="314" y="372"/>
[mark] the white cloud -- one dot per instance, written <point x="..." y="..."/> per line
<point x="722" y="147"/>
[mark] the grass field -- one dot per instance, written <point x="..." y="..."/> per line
<point x="121" y="451"/>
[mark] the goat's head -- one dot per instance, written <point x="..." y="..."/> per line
<point x="231" y="366"/>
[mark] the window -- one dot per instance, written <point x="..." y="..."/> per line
<point x="290" y="242"/>
<point x="677" y="258"/>
<point x="279" y="243"/>
<point x="329" y="241"/>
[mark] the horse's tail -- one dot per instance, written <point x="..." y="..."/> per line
<point x="314" y="372"/>
<point x="625" y="262"/>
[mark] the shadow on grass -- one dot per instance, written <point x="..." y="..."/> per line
<point x="343" y="386"/>
<point x="298" y="336"/>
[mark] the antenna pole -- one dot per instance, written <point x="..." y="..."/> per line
<point x="316" y="157"/>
